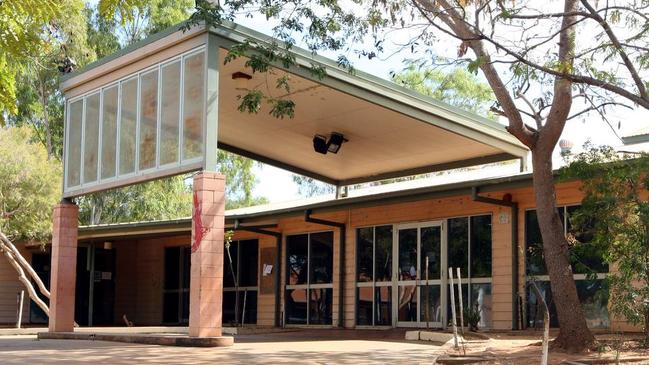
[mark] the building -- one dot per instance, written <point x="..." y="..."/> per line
<point x="287" y="259"/>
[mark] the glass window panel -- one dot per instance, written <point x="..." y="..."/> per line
<point x="364" y="254"/>
<point x="383" y="253"/>
<point x="169" y="113"/>
<point x="73" y="172"/>
<point x="248" y="306"/>
<point x="533" y="306"/>
<point x="383" y="306"/>
<point x="480" y="246"/>
<point x="458" y="244"/>
<point x="535" y="264"/>
<point x="465" y="302"/>
<point x="184" y="315"/>
<point x="296" y="306"/>
<point x="296" y="259"/>
<point x="193" y="109"/>
<point x="127" y="127"/>
<point x="91" y="136"/>
<point x="322" y="258"/>
<point x="148" y="119"/>
<point x="407" y="311"/>
<point x="364" y="306"/>
<point x="431" y="241"/>
<point x="431" y="306"/>
<point x="320" y="306"/>
<point x="481" y="301"/>
<point x="248" y="253"/>
<point x="109" y="132"/>
<point x="187" y="261"/>
<point x="230" y="265"/>
<point x="593" y="295"/>
<point x="408" y="254"/>
<point x="586" y="257"/>
<point x="172" y="268"/>
<point x="229" y="306"/>
<point x="170" y="307"/>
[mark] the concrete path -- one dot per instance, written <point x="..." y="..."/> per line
<point x="303" y="347"/>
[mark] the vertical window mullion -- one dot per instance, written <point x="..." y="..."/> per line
<point x="308" y="278"/>
<point x="374" y="276"/>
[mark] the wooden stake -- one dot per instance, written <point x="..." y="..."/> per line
<point x="450" y="283"/>
<point x="546" y="323"/>
<point x="459" y="290"/>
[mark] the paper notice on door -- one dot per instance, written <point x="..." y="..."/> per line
<point x="106" y="275"/>
<point x="268" y="269"/>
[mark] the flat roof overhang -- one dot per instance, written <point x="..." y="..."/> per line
<point x="391" y="131"/>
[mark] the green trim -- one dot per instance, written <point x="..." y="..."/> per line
<point x="640" y="138"/>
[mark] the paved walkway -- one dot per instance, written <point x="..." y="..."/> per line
<point x="303" y="347"/>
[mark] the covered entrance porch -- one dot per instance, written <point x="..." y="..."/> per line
<point x="165" y="105"/>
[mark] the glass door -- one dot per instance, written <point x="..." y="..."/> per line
<point x="419" y="292"/>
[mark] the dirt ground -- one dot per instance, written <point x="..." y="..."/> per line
<point x="329" y="346"/>
<point x="525" y="348"/>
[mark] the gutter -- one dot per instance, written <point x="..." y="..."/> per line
<point x="261" y="229"/>
<point x="341" y="261"/>
<point x="475" y="191"/>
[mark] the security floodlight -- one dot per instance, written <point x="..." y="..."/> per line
<point x="320" y="144"/>
<point x="335" y="142"/>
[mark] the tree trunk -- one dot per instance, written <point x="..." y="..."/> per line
<point x="574" y="334"/>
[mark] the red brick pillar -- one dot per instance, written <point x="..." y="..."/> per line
<point x="206" y="283"/>
<point x="64" y="267"/>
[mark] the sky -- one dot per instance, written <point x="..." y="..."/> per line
<point x="277" y="185"/>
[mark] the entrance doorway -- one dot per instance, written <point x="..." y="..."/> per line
<point x="419" y="289"/>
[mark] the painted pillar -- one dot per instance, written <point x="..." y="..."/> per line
<point x="64" y="267"/>
<point x="206" y="280"/>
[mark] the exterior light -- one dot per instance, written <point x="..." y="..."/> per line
<point x="335" y="142"/>
<point x="321" y="145"/>
<point x="241" y="80"/>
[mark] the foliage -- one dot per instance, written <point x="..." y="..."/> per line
<point x="308" y="186"/>
<point x="472" y="317"/>
<point x="457" y="87"/>
<point x="616" y="209"/>
<point x="29" y="186"/>
<point x="240" y="180"/>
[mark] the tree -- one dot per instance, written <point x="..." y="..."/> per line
<point x="615" y="211"/>
<point x="30" y="185"/>
<point x="528" y="52"/>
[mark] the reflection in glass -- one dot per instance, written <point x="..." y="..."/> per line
<point x="229" y="307"/>
<point x="193" y="96"/>
<point x="109" y="132"/>
<point x="364" y="254"/>
<point x="534" y="262"/>
<point x="127" y="127"/>
<point x="481" y="246"/>
<point x="431" y="249"/>
<point x="458" y="243"/>
<point x="320" y="306"/>
<point x="408" y="254"/>
<point x="74" y="143"/>
<point x="481" y="300"/>
<point x="248" y="263"/>
<point x="383" y="306"/>
<point x="91" y="139"/>
<point x="407" y="311"/>
<point x="169" y="113"/>
<point x="296" y="306"/>
<point x="321" y="264"/>
<point x="431" y="303"/>
<point x="383" y="253"/>
<point x="148" y="119"/>
<point x="296" y="259"/>
<point x="364" y="306"/>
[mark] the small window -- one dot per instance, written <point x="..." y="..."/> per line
<point x="148" y="120"/>
<point x="74" y="143"/>
<point x="109" y="132"/>
<point x="128" y="127"/>
<point x="91" y="139"/>
<point x="193" y="105"/>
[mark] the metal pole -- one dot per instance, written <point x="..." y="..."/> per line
<point x="243" y="314"/>
<point x="450" y="283"/>
<point x="21" y="298"/>
<point x="459" y="290"/>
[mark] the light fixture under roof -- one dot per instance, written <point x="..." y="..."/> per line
<point x="321" y="145"/>
<point x="241" y="80"/>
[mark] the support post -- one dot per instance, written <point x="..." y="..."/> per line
<point x="64" y="267"/>
<point x="206" y="277"/>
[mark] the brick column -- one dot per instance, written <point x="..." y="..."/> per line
<point x="206" y="283"/>
<point x="64" y="267"/>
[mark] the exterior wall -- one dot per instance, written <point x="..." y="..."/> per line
<point x="10" y="287"/>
